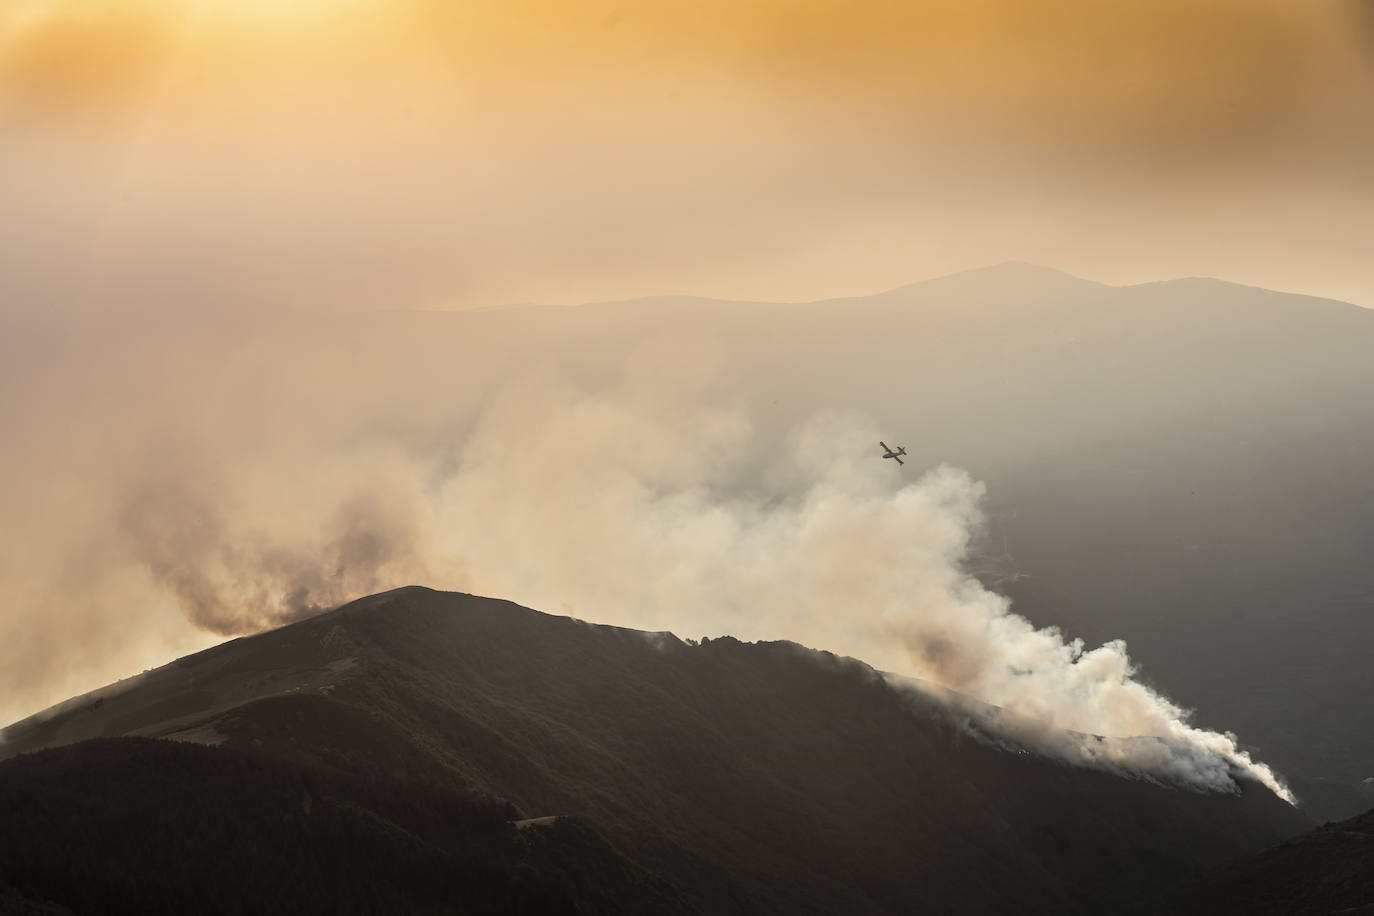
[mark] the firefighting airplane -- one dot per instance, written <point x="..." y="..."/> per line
<point x="889" y="453"/>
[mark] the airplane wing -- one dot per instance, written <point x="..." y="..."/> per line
<point x="898" y="460"/>
<point x="884" y="445"/>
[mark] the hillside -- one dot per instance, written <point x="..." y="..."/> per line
<point x="1327" y="870"/>
<point x="745" y="777"/>
<point x="138" y="826"/>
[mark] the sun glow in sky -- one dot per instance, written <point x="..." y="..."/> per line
<point x="271" y="9"/>
<point x="21" y="12"/>
<point x="358" y="154"/>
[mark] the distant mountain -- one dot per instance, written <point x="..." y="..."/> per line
<point x="419" y="749"/>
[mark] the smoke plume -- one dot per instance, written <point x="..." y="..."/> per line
<point x="611" y="509"/>
<point x="649" y="501"/>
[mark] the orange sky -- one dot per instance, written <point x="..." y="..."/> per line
<point x="331" y="154"/>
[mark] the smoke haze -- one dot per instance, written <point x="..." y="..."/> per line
<point x="221" y="498"/>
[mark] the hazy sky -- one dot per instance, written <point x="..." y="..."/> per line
<point x="329" y="154"/>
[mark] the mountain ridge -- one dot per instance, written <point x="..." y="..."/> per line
<point x="752" y="777"/>
<point x="1012" y="278"/>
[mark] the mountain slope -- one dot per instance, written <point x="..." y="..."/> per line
<point x="1327" y="870"/>
<point x="748" y="777"/>
<point x="132" y="825"/>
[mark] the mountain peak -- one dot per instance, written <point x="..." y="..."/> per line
<point x="1009" y="281"/>
<point x="1022" y="271"/>
<point x="752" y="764"/>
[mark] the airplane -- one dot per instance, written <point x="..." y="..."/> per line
<point x="889" y="453"/>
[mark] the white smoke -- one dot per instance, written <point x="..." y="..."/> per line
<point x="618" y="509"/>
<point x="253" y="499"/>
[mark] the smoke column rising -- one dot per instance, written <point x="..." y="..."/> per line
<point x="247" y="497"/>
<point x="605" y="508"/>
